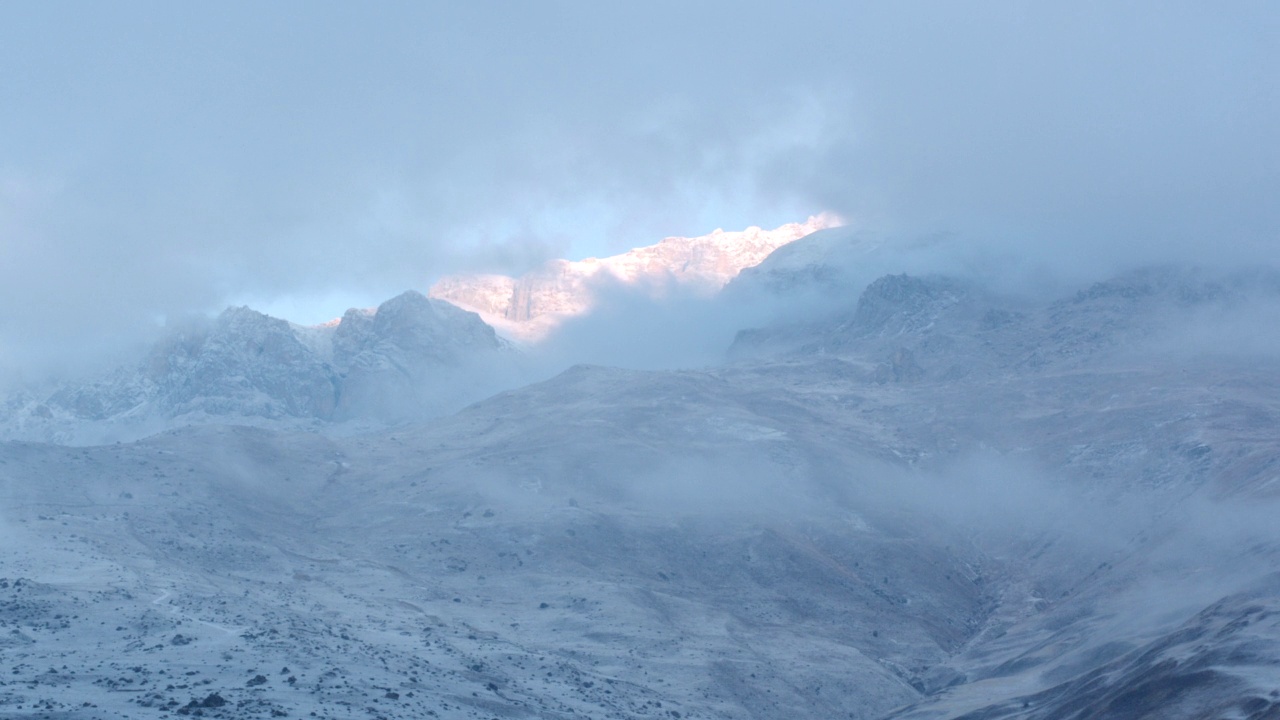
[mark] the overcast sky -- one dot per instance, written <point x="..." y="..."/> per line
<point x="164" y="158"/>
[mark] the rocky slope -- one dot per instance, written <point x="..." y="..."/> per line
<point x="1050" y="515"/>
<point x="528" y="306"/>
<point x="773" y="541"/>
<point x="411" y="357"/>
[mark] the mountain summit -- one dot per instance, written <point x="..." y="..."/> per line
<point x="529" y="306"/>
<point x="411" y="357"/>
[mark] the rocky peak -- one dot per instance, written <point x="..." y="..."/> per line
<point x="413" y="328"/>
<point x="529" y="305"/>
<point x="411" y="354"/>
<point x="244" y="362"/>
<point x="411" y="357"/>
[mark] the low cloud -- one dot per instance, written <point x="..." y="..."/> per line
<point x="191" y="158"/>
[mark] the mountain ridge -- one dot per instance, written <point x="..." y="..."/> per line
<point x="412" y="356"/>
<point x="531" y="305"/>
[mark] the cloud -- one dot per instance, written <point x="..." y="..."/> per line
<point x="1087" y="136"/>
<point x="196" y="156"/>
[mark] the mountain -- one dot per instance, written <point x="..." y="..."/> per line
<point x="411" y="357"/>
<point x="909" y="327"/>
<point x="925" y="498"/>
<point x="776" y="538"/>
<point x="528" y="306"/>
<point x="830" y="259"/>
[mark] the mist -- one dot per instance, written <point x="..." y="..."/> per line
<point x="306" y="153"/>
<point x="659" y="325"/>
<point x="1004" y="445"/>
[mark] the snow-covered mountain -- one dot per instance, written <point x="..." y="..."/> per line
<point x="835" y="258"/>
<point x="925" y="499"/>
<point x="526" y="307"/>
<point x="410" y="357"/>
<point x="783" y="537"/>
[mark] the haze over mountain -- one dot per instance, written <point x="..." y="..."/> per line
<point x="529" y="306"/>
<point x="1006" y="446"/>
<point x="196" y="161"/>
<point x="924" y="497"/>
<point x="411" y="357"/>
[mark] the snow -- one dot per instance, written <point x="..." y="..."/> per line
<point x="529" y="307"/>
<point x="939" y="501"/>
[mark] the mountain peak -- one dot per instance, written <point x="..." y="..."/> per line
<point x="530" y="305"/>
<point x="408" y="298"/>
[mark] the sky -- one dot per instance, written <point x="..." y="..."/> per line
<point x="161" y="159"/>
